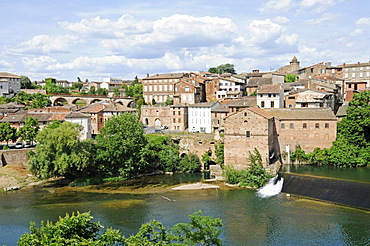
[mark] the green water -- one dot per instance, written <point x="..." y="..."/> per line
<point x="248" y="219"/>
<point x="356" y="174"/>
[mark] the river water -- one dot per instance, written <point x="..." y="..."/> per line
<point x="248" y="219"/>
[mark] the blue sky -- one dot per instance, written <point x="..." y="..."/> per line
<point x="97" y="39"/>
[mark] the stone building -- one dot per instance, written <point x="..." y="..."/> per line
<point x="292" y="68"/>
<point x="175" y="117"/>
<point x="270" y="96"/>
<point x="10" y="84"/>
<point x="308" y="98"/>
<point x="275" y="133"/>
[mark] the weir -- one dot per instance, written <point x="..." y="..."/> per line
<point x="346" y="192"/>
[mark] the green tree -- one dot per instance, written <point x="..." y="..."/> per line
<point x="30" y="129"/>
<point x="207" y="159"/>
<point x="154" y="102"/>
<point x="189" y="163"/>
<point x="26" y="83"/>
<point x="40" y="101"/>
<point x="51" y="87"/>
<point x="101" y="92"/>
<point x="92" y="90"/>
<point x="7" y="132"/>
<point x="299" y="155"/>
<point x="223" y="68"/>
<point x="70" y="230"/>
<point x="60" y="153"/>
<point x="77" y="86"/>
<point x="290" y="78"/>
<point x="219" y="151"/>
<point x="116" y="92"/>
<point x="79" y="230"/>
<point x="79" y="79"/>
<point x="120" y="145"/>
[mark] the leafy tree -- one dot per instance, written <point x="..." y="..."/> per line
<point x="26" y="83"/>
<point x="79" y="79"/>
<point x="207" y="159"/>
<point x="290" y="78"/>
<point x="7" y="132"/>
<point x="101" y="92"/>
<point x="219" y="151"/>
<point x="213" y="70"/>
<point x="51" y="87"/>
<point x="223" y="68"/>
<point x="189" y="163"/>
<point x="154" y="102"/>
<point x="120" y="146"/>
<point x="61" y="153"/>
<point x="169" y="101"/>
<point x="70" y="230"/>
<point x="80" y="230"/>
<point x="77" y="86"/>
<point x="254" y="176"/>
<point x="116" y="92"/>
<point x="30" y="129"/>
<point x="299" y="155"/>
<point x="40" y="101"/>
<point x="134" y="90"/>
<point x="92" y="91"/>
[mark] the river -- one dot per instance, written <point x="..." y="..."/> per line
<point x="248" y="219"/>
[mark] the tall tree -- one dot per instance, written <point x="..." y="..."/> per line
<point x="30" y="129"/>
<point x="7" y="132"/>
<point x="120" y="146"/>
<point x="61" y="153"/>
<point x="25" y="83"/>
<point x="290" y="78"/>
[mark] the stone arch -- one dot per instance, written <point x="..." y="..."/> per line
<point x="157" y="122"/>
<point x="95" y="100"/>
<point x="182" y="155"/>
<point x="60" y="101"/>
<point x="79" y="100"/>
<point x="146" y="121"/>
<point x="131" y="104"/>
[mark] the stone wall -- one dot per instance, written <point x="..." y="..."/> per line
<point x="13" y="157"/>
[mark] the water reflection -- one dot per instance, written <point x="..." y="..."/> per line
<point x="248" y="219"/>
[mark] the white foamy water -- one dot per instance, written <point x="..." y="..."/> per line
<point x="272" y="187"/>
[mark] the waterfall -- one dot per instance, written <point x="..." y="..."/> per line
<point x="272" y="188"/>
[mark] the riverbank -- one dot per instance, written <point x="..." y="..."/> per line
<point x="14" y="176"/>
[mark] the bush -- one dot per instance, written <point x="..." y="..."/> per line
<point x="189" y="164"/>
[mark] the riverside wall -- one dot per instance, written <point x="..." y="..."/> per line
<point x="13" y="157"/>
<point x="346" y="192"/>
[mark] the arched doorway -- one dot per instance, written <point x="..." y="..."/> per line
<point x="146" y="121"/>
<point x="157" y="122"/>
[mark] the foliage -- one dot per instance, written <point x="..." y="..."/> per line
<point x="70" y="230"/>
<point x="223" y="68"/>
<point x="161" y="153"/>
<point x="299" y="155"/>
<point x="254" y="176"/>
<point x="154" y="102"/>
<point x="77" y="86"/>
<point x="120" y="145"/>
<point x="61" y="153"/>
<point x="207" y="159"/>
<point x="26" y="83"/>
<point x="36" y="100"/>
<point x="290" y="78"/>
<point x="80" y="230"/>
<point x="92" y="90"/>
<point x="116" y="92"/>
<point x="51" y="87"/>
<point x="254" y="93"/>
<point x="30" y="129"/>
<point x="101" y="92"/>
<point x="134" y="90"/>
<point x="169" y="101"/>
<point x="7" y="132"/>
<point x="189" y="163"/>
<point x="219" y="151"/>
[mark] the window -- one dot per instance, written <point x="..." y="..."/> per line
<point x="282" y="126"/>
<point x="326" y="125"/>
<point x="272" y="104"/>
<point x="317" y="125"/>
<point x="248" y="134"/>
<point x="304" y="125"/>
<point x="304" y="105"/>
<point x="291" y="126"/>
<point x="262" y="104"/>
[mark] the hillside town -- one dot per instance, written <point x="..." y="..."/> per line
<point x="259" y="110"/>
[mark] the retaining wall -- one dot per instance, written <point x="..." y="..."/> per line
<point x="341" y="191"/>
<point x="13" y="157"/>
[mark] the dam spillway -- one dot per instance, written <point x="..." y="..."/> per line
<point x="346" y="192"/>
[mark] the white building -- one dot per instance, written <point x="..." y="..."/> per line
<point x="10" y="84"/>
<point x="200" y="117"/>
<point x="270" y="96"/>
<point x="230" y="88"/>
<point x="83" y="120"/>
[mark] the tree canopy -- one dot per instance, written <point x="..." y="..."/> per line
<point x="60" y="152"/>
<point x="26" y="83"/>
<point x="223" y="68"/>
<point x="120" y="146"/>
<point x="30" y="129"/>
<point x="290" y="78"/>
<point x="79" y="229"/>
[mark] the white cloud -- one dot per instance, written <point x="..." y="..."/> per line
<point x="38" y="64"/>
<point x="357" y="32"/>
<point x="327" y="19"/>
<point x="363" y="20"/>
<point x="98" y="27"/>
<point x="45" y="44"/>
<point x="263" y="31"/>
<point x="281" y="20"/>
<point x="287" y="40"/>
<point x="5" y="64"/>
<point x="277" y="5"/>
<point x="317" y="6"/>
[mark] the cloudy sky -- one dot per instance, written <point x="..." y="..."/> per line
<point x="66" y="39"/>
